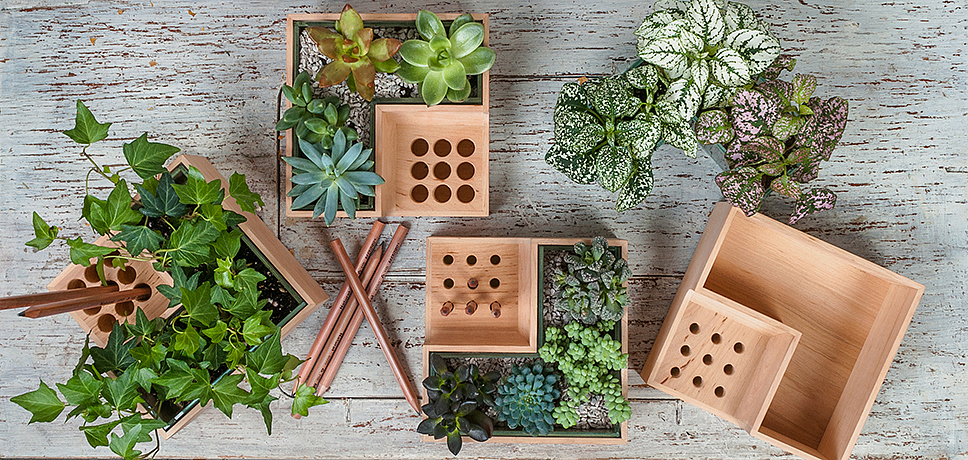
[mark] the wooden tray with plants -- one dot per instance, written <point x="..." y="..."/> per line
<point x="809" y="397"/>
<point x="504" y="311"/>
<point x="390" y="105"/>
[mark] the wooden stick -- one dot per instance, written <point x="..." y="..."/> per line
<point x="381" y="334"/>
<point x="97" y="300"/>
<point x="357" y="316"/>
<point x="21" y="301"/>
<point x="339" y="304"/>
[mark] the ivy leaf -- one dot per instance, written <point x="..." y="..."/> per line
<point x="43" y="404"/>
<point x="121" y="392"/>
<point x="227" y="244"/>
<point x="179" y="281"/>
<point x="614" y="167"/>
<point x="217" y="332"/>
<point x="248" y="279"/>
<point x="124" y="445"/>
<point x="147" y="158"/>
<point x="149" y="356"/>
<point x="44" y="234"/>
<point x="82" y="253"/>
<point x="267" y="358"/>
<point x="197" y="191"/>
<point x="138" y="238"/>
<point x="226" y="393"/>
<point x="579" y="167"/>
<point x="164" y="201"/>
<point x="142" y="376"/>
<point x="638" y="188"/>
<point x="147" y="425"/>
<point x="176" y="380"/>
<point x="115" y="356"/>
<point x="245" y="198"/>
<point x="97" y="435"/>
<point x="231" y="218"/>
<point x="221" y="296"/>
<point x="81" y="390"/>
<point x="816" y="200"/>
<point x="86" y="129"/>
<point x="118" y="211"/>
<point x="305" y="398"/>
<point x="189" y="243"/>
<point x="713" y="127"/>
<point x="198" y="304"/>
<point x="201" y="388"/>
<point x="260" y="385"/>
<point x="244" y="305"/>
<point x="257" y="327"/>
<point x="263" y="406"/>
<point x="93" y="211"/>
<point x="142" y="326"/>
<point x="742" y="188"/>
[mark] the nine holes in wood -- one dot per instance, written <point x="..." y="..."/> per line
<point x="125" y="278"/>
<point x="470" y="308"/>
<point x="442" y="170"/>
<point x="707" y="359"/>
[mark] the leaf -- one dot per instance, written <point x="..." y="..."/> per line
<point x="638" y="188"/>
<point x="784" y="186"/>
<point x="164" y="201"/>
<point x="708" y="21"/>
<point x="685" y="96"/>
<point x="433" y="88"/>
<point x="577" y="131"/>
<point x="713" y="127"/>
<point x="198" y="304"/>
<point x="758" y="48"/>
<point x="783" y="62"/>
<point x="753" y="113"/>
<point x="196" y="190"/>
<point x="138" y="238"/>
<point x="267" y="358"/>
<point x="742" y="188"/>
<point x="44" y="234"/>
<point x="256" y="328"/>
<point x="765" y="148"/>
<point x="305" y="398"/>
<point x="788" y="126"/>
<point x="816" y="200"/>
<point x="149" y="356"/>
<point x="147" y="158"/>
<point x="82" y="389"/>
<point x="824" y="129"/>
<point x="454" y="442"/>
<point x="263" y="406"/>
<point x="465" y="39"/>
<point x="641" y="134"/>
<point x="97" y="435"/>
<point x="176" y="380"/>
<point x="86" y="129"/>
<point x="124" y="445"/>
<point x="803" y="87"/>
<point x="82" y="253"/>
<point x="729" y="68"/>
<point x="429" y="25"/>
<point x="189" y="243"/>
<point x="179" y="281"/>
<point x="147" y="424"/>
<point x="671" y="48"/>
<point x="118" y="210"/>
<point x="681" y="136"/>
<point x="579" y="167"/>
<point x="115" y="356"/>
<point x="248" y="279"/>
<point x="226" y="393"/>
<point x="43" y="404"/>
<point x="612" y="97"/>
<point x="187" y="340"/>
<point x="121" y="392"/>
<point x="614" y="167"/>
<point x="246" y="199"/>
<point x="645" y="76"/>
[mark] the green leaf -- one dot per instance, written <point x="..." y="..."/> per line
<point x="43" y="234"/>
<point x="198" y="304"/>
<point x="147" y="158"/>
<point x="246" y="198"/>
<point x="149" y="356"/>
<point x="221" y="296"/>
<point x="429" y="25"/>
<point x="758" y="48"/>
<point x="579" y="167"/>
<point x="82" y="253"/>
<point x="196" y="190"/>
<point x="612" y="97"/>
<point x="641" y="134"/>
<point x="213" y="214"/>
<point x="176" y="380"/>
<point x="143" y="377"/>
<point x="478" y="61"/>
<point x="146" y="423"/>
<point x="707" y="20"/>
<point x="121" y="392"/>
<point x="257" y="327"/>
<point x="454" y="76"/>
<point x="43" y="404"/>
<point x="645" y="76"/>
<point x="305" y="398"/>
<point x="187" y="340"/>
<point x="577" y="131"/>
<point x="730" y="69"/>
<point x="115" y="356"/>
<point x="189" y="243"/>
<point x="434" y="88"/>
<point x="614" y="167"/>
<point x="118" y="211"/>
<point x="82" y="389"/>
<point x="138" y="238"/>
<point x="226" y="393"/>
<point x="164" y="201"/>
<point x="244" y="305"/>
<point x="267" y="358"/>
<point x="217" y="332"/>
<point x="86" y="129"/>
<point x="466" y="39"/>
<point x="248" y="279"/>
<point x="803" y="87"/>
<point x="124" y="445"/>
<point x="179" y="281"/>
<point x="93" y="211"/>
<point x="638" y="188"/>
<point x="97" y="435"/>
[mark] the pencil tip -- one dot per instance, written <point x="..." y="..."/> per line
<point x="23" y="313"/>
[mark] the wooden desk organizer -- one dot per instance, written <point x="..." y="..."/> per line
<point x="852" y="315"/>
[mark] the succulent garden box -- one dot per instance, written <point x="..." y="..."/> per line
<point x="434" y="159"/>
<point x="466" y="277"/>
<point x="850" y="315"/>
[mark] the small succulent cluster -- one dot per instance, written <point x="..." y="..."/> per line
<point x="526" y="398"/>
<point x="314" y="120"/>
<point x="457" y="399"/>
<point x="587" y="357"/>
<point x="333" y="177"/>
<point x="440" y="63"/>
<point x="590" y="288"/>
<point x="776" y="135"/>
<point x="356" y="56"/>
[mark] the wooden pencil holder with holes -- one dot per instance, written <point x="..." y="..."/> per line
<point x="785" y="335"/>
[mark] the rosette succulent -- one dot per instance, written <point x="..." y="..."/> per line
<point x="776" y="135"/>
<point x="314" y="120"/>
<point x="526" y="398"/>
<point x="590" y="287"/>
<point x="456" y="400"/>
<point x="440" y="63"/>
<point x="329" y="178"/>
<point x="356" y="56"/>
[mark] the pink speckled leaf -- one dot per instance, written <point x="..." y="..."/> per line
<point x="784" y="62"/>
<point x="803" y="87"/>
<point x="783" y="90"/>
<point x="784" y="186"/>
<point x="713" y="127"/>
<point x="825" y="128"/>
<point x="742" y="188"/>
<point x="766" y="148"/>
<point x="754" y="113"/>
<point x="806" y="171"/>
<point x="816" y="200"/>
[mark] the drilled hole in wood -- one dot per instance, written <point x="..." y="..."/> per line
<point x="448" y="259"/>
<point x="92" y="311"/>
<point x="124" y="308"/>
<point x="495" y="259"/>
<point x="694" y="328"/>
<point x="738" y="347"/>
<point x="471" y="307"/>
<point x="419" y="193"/>
<point x="447" y="308"/>
<point x="496" y="309"/>
<point x="465" y="193"/>
<point x="448" y="283"/>
<point x="144" y="297"/>
<point x="108" y="259"/>
<point x="465" y="148"/>
<point x="419" y="170"/>
<point x="707" y="360"/>
<point x="442" y="170"/>
<point x="127" y="275"/>
<point x="716" y="338"/>
<point x="472" y="283"/>
<point x="76" y="284"/>
<point x="419" y="147"/>
<point x="106" y="323"/>
<point x="90" y="274"/>
<point x="697" y="381"/>
<point x="495" y="283"/>
<point x="728" y="369"/>
<point x="465" y="171"/>
<point x="442" y="148"/>
<point x="442" y="193"/>
<point x="719" y="391"/>
<point x="471" y="260"/>
<point x="684" y="350"/>
<point x="675" y="372"/>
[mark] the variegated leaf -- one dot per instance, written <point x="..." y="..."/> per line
<point x="699" y="74"/>
<point x="673" y="5"/>
<point x="717" y="96"/>
<point x="668" y="112"/>
<point x="654" y="23"/>
<point x="780" y="88"/>
<point x="803" y="87"/>
<point x="787" y="126"/>
<point x="753" y="113"/>
<point x="571" y="97"/>
<point x="806" y="171"/>
<point x="707" y="21"/>
<point x="771" y="169"/>
<point x="784" y="186"/>
<point x="783" y="62"/>
<point x="670" y="47"/>
<point x="816" y="200"/>
<point x="686" y="96"/>
<point x="799" y="155"/>
<point x="578" y="167"/>
<point x="737" y="156"/>
<point x="740" y="16"/>
<point x="614" y="167"/>
<point x="713" y="127"/>
<point x="645" y="76"/>
<point x="729" y="68"/>
<point x="742" y="188"/>
<point x="577" y="131"/>
<point x="682" y="137"/>
<point x="641" y="134"/>
<point x="613" y="97"/>
<point x="759" y="48"/>
<point x="824" y="129"/>
<point x="638" y="188"/>
<point x="766" y="148"/>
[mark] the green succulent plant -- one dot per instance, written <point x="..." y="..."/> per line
<point x="590" y="287"/>
<point x="315" y="120"/>
<point x="440" y="63"/>
<point x="356" y="56"/>
<point x="587" y="356"/>
<point x="332" y="179"/>
<point x="456" y="400"/>
<point x="526" y="398"/>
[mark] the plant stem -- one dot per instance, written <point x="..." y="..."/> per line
<point x="96" y="166"/>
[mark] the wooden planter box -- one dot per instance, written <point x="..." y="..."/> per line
<point x="449" y="141"/>
<point x="480" y="335"/>
<point x="97" y="321"/>
<point x="850" y="313"/>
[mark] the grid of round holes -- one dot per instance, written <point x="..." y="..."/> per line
<point x="707" y="359"/>
<point x="442" y="170"/>
<point x="124" y="278"/>
<point x="494" y="308"/>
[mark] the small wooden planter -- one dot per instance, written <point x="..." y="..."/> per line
<point x="434" y="159"/>
<point x="851" y="314"/>
<point x="519" y="268"/>
<point x="98" y="321"/>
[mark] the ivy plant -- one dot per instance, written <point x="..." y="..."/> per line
<point x="314" y="120"/>
<point x="776" y="134"/>
<point x="220" y="337"/>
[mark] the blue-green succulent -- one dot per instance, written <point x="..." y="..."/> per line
<point x="526" y="398"/>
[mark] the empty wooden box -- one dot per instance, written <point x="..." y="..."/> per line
<point x="852" y="315"/>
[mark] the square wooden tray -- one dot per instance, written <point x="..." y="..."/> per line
<point x="852" y="315"/>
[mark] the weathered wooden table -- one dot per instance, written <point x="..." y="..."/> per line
<point x="203" y="75"/>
